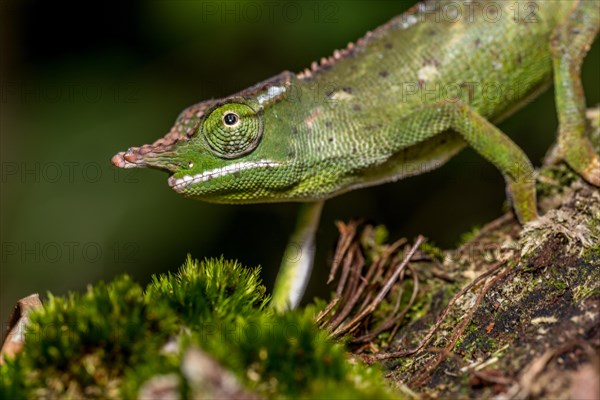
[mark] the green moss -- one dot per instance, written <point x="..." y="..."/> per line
<point x="432" y="250"/>
<point x="586" y="293"/>
<point x="373" y="241"/>
<point x="109" y="341"/>
<point x="468" y="236"/>
<point x="592" y="255"/>
<point x="212" y="290"/>
<point x="554" y="179"/>
<point x="12" y="381"/>
<point x="279" y="354"/>
<point x="83" y="344"/>
<point x="559" y="286"/>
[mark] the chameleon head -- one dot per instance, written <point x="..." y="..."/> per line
<point x="224" y="150"/>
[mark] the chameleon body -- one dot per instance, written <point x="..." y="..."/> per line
<point x="401" y="101"/>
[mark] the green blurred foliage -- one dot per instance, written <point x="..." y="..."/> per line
<point x="78" y="86"/>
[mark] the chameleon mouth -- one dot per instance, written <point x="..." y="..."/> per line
<point x="179" y="184"/>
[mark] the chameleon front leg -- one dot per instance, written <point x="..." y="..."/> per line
<point x="570" y="43"/>
<point x="298" y="259"/>
<point x="488" y="141"/>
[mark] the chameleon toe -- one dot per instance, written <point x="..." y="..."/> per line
<point x="592" y="172"/>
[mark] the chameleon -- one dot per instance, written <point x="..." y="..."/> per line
<point x="398" y="102"/>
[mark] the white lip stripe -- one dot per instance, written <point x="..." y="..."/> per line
<point x="217" y="172"/>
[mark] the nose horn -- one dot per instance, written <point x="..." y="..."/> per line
<point x="149" y="155"/>
<point x="128" y="159"/>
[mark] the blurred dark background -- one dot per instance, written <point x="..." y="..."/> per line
<point x="81" y="81"/>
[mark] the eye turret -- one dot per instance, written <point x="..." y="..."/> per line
<point x="232" y="130"/>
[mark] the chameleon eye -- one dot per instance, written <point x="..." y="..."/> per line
<point x="232" y="130"/>
<point x="230" y="119"/>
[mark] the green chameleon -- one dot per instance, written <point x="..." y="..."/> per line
<point x="401" y="101"/>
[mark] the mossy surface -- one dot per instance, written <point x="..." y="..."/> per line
<point x="117" y="337"/>
<point x="545" y="301"/>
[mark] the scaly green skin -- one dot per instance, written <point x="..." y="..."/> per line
<point x="400" y="102"/>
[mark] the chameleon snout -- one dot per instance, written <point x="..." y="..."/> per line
<point x="135" y="157"/>
<point x="146" y="156"/>
<point x="126" y="159"/>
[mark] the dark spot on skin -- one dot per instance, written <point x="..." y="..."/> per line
<point x="328" y="124"/>
<point x="294" y="130"/>
<point x="372" y="127"/>
<point x="354" y="150"/>
<point x="356" y="107"/>
<point x="555" y="41"/>
<point x="347" y="89"/>
<point x="470" y="90"/>
<point x="431" y="61"/>
<point x="330" y="140"/>
<point x="291" y="154"/>
<point x="384" y="74"/>
<point x="388" y="46"/>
